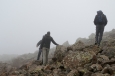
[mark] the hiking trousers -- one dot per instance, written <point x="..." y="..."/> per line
<point x="45" y="52"/>
<point x="39" y="53"/>
<point x="99" y="33"/>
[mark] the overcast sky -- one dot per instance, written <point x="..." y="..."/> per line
<point x="24" y="22"/>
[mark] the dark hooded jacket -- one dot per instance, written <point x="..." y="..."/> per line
<point x="39" y="43"/>
<point x="96" y="22"/>
<point x="46" y="41"/>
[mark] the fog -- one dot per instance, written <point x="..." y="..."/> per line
<point x="24" y="22"/>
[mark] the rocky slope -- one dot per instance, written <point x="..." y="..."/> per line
<point x="6" y="57"/>
<point x="75" y="60"/>
<point x="79" y="59"/>
<point x="22" y="59"/>
<point x="91" y="40"/>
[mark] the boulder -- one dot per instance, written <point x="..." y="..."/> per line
<point x="100" y="74"/>
<point x="109" y="62"/>
<point x="59" y="53"/>
<point x="105" y="58"/>
<point x="83" y="71"/>
<point x="96" y="67"/>
<point x="78" y="46"/>
<point x="109" y="52"/>
<point x="77" y="59"/>
<point x="92" y="48"/>
<point x="66" y="44"/>
<point x="94" y="59"/>
<point x="73" y="73"/>
<point x="108" y="70"/>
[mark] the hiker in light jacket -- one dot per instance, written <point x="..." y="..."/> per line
<point x="40" y="50"/>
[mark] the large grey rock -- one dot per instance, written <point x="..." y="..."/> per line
<point x="77" y="59"/>
<point x="59" y="53"/>
<point x="78" y="46"/>
<point x="110" y="52"/>
<point x="96" y="67"/>
<point x="73" y="73"/>
<point x="66" y="44"/>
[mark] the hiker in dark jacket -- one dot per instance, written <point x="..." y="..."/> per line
<point x="45" y="46"/>
<point x="100" y="21"/>
<point x="40" y="50"/>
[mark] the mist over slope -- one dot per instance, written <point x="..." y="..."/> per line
<point x="33" y="56"/>
<point x="22" y="59"/>
<point x="82" y="58"/>
<point x="91" y="40"/>
<point x="7" y="57"/>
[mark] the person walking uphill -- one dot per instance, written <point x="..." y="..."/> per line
<point x="45" y="46"/>
<point x="40" y="50"/>
<point x="100" y="21"/>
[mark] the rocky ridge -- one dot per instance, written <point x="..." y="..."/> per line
<point x="75" y="60"/>
<point x="83" y="58"/>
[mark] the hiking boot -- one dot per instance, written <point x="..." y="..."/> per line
<point x="98" y="45"/>
<point x="95" y="43"/>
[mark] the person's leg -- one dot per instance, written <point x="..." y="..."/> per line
<point x="47" y="53"/>
<point x="44" y="55"/>
<point x="101" y="34"/>
<point x="39" y="53"/>
<point x="97" y="34"/>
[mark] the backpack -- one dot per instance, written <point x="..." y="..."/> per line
<point x="100" y="19"/>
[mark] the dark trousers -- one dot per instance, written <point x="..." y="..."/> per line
<point x="99" y="33"/>
<point x="39" y="53"/>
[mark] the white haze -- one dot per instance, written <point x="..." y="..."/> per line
<point x="24" y="22"/>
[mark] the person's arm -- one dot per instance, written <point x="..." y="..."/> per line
<point x="105" y="21"/>
<point x="39" y="43"/>
<point x="42" y="43"/>
<point x="53" y="41"/>
<point x="95" y="20"/>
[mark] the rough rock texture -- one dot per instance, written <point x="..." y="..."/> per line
<point x="73" y="73"/>
<point x="59" y="53"/>
<point x="73" y="60"/>
<point x="78" y="46"/>
<point x="77" y="59"/>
